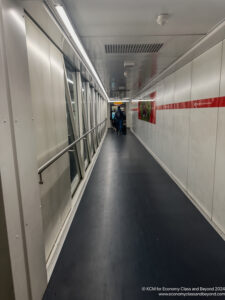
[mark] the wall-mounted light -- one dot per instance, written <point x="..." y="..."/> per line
<point x="63" y="16"/>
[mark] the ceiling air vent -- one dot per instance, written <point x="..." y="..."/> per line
<point x="132" y="48"/>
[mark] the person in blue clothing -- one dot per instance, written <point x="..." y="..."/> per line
<point x="119" y="117"/>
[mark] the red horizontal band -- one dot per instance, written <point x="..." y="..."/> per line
<point x="203" y="103"/>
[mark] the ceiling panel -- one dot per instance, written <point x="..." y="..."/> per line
<point x="111" y="66"/>
<point x="104" y="22"/>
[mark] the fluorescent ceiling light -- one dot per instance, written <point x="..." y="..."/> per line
<point x="61" y="11"/>
<point x="128" y="64"/>
<point x="115" y="101"/>
<point x="70" y="81"/>
<point x="144" y="100"/>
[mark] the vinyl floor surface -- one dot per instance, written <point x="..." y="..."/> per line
<point x="135" y="230"/>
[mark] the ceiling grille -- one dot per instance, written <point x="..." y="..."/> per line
<point x="132" y="48"/>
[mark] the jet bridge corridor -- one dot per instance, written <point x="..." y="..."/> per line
<point x="112" y="149"/>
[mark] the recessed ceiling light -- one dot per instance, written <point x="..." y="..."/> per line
<point x="162" y="19"/>
<point x="142" y="100"/>
<point x="121" y="88"/>
<point x="129" y="64"/>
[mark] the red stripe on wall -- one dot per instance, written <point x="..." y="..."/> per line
<point x="203" y="103"/>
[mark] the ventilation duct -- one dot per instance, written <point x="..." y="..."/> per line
<point x="132" y="48"/>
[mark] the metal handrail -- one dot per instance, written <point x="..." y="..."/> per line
<point x="66" y="149"/>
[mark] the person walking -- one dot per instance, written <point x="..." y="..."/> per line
<point x="119" y="120"/>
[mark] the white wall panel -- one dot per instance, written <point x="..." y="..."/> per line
<point x="159" y="93"/>
<point x="49" y="110"/>
<point x="203" y="126"/>
<point x="167" y="129"/>
<point x="18" y="159"/>
<point x="18" y="176"/>
<point x="206" y="74"/>
<point x="181" y="124"/>
<point x="183" y="84"/>
<point x="158" y="127"/>
<point x="38" y="60"/>
<point x="128" y="115"/>
<point x="219" y="186"/>
<point x="169" y="85"/>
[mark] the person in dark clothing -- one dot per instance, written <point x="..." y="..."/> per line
<point x="119" y="117"/>
<point x="113" y="121"/>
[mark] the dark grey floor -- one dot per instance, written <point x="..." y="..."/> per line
<point x="134" y="227"/>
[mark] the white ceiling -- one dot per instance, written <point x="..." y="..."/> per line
<point x="100" y="22"/>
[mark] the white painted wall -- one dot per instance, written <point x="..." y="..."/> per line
<point x="190" y="143"/>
